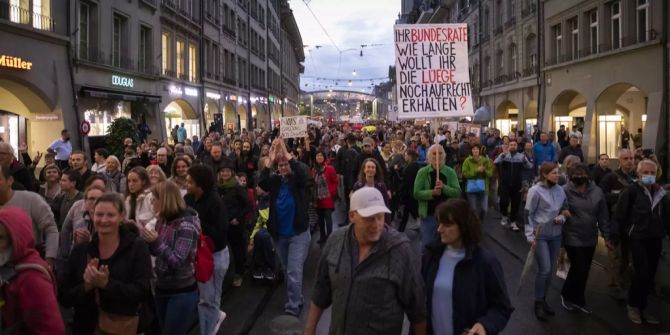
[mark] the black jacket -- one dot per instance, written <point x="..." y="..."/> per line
<point x="237" y="202"/>
<point x="213" y="217"/>
<point x="479" y="290"/>
<point x="297" y="183"/>
<point x="345" y="159"/>
<point x="641" y="214"/>
<point x="569" y="150"/>
<point x="358" y="163"/>
<point x="613" y="184"/>
<point x="128" y="287"/>
<point x="407" y="188"/>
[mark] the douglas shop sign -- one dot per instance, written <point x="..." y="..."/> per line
<point x="122" y="81"/>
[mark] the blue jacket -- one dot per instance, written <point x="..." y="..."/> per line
<point x="297" y="181"/>
<point x="479" y="289"/>
<point x="544" y="153"/>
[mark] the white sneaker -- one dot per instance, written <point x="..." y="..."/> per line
<point x="222" y="316"/>
<point x="514" y="227"/>
<point x="504" y="222"/>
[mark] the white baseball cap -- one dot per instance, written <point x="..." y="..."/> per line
<point x="368" y="201"/>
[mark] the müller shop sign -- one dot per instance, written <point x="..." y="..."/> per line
<point x="15" y="62"/>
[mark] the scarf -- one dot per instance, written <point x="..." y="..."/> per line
<point x="230" y="183"/>
<point x="322" y="191"/>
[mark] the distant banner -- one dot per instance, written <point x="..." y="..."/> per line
<point x="294" y="126"/>
<point x="432" y="70"/>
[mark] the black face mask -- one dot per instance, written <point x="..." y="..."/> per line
<point x="580" y="181"/>
<point x="550" y="183"/>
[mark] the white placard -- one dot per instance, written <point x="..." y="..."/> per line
<point x="432" y="70"/>
<point x="293" y="126"/>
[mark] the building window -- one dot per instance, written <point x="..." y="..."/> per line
<point x="512" y="58"/>
<point x="558" y="40"/>
<point x="192" y="61"/>
<point x="84" y="22"/>
<point x="615" y="10"/>
<point x="642" y="20"/>
<point x="166" y="53"/>
<point x="117" y="33"/>
<point x="181" y="49"/>
<point x="487" y="21"/>
<point x="574" y="39"/>
<point x="531" y="53"/>
<point x="511" y="9"/>
<point x="145" y="49"/>
<point x="500" y="65"/>
<point x="593" y="31"/>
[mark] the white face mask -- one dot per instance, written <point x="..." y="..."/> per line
<point x="5" y="256"/>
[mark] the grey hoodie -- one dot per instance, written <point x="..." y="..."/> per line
<point x="543" y="205"/>
<point x="372" y="297"/>
<point x="588" y="214"/>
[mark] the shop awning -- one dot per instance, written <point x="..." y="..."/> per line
<point x="99" y="93"/>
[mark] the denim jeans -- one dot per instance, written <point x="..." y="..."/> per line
<point x="546" y="256"/>
<point x="428" y="230"/>
<point x="174" y="311"/>
<point x="210" y="293"/>
<point x="264" y="254"/>
<point x="479" y="202"/>
<point x="293" y="253"/>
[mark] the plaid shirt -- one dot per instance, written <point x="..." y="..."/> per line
<point x="175" y="250"/>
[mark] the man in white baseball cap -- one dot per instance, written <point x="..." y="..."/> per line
<point x="368" y="276"/>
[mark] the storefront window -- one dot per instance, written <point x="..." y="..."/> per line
<point x="174" y="116"/>
<point x="609" y="134"/>
<point x="100" y="113"/>
<point x="562" y="121"/>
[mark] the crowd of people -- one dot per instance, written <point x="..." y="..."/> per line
<point x="141" y="241"/>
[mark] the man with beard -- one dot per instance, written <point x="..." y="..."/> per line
<point x="246" y="162"/>
<point x="29" y="286"/>
<point x="79" y="163"/>
<point x="216" y="159"/>
<point x="62" y="147"/>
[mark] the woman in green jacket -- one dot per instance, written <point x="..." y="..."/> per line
<point x="477" y="170"/>
<point x="430" y="191"/>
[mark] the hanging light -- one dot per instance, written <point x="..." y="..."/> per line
<point x="350" y="82"/>
<point x="354" y="72"/>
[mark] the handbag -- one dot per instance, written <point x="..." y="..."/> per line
<point x="115" y="324"/>
<point x="475" y="186"/>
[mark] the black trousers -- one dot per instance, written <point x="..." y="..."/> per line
<point x="580" y="265"/>
<point x="237" y="240"/>
<point x="509" y="194"/>
<point x="264" y="254"/>
<point x="646" y="254"/>
<point x="325" y="221"/>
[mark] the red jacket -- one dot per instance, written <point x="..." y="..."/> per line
<point x="30" y="297"/>
<point x="331" y="180"/>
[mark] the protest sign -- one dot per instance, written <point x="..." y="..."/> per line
<point x="432" y="70"/>
<point x="293" y="126"/>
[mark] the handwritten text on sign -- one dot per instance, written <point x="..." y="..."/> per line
<point x="293" y="126"/>
<point x="432" y="70"/>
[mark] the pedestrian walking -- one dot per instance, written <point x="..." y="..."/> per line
<point x="173" y="243"/>
<point x="643" y="213"/>
<point x="464" y="282"/>
<point x="477" y="171"/>
<point x="349" y="270"/>
<point x="372" y="175"/>
<point x="325" y="182"/>
<point x="510" y="165"/>
<point x="588" y="215"/>
<point x="546" y="208"/>
<point x="434" y="184"/>
<point x="288" y="223"/>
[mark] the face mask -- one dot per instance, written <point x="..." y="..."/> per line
<point x="579" y="181"/>
<point x="648" y="179"/>
<point x="550" y="183"/>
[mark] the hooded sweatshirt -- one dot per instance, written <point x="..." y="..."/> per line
<point x="30" y="297"/>
<point x="372" y="296"/>
<point x="544" y="204"/>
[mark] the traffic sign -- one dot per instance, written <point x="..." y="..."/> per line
<point x="85" y="127"/>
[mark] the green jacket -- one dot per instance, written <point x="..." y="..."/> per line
<point x="470" y="169"/>
<point x="424" y="193"/>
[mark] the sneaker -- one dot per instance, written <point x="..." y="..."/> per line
<point x="514" y="227"/>
<point x="222" y="316"/>
<point x="269" y="274"/>
<point x="258" y="274"/>
<point x="566" y="304"/>
<point x="634" y="315"/>
<point x="237" y="281"/>
<point x="584" y="309"/>
<point x="504" y="222"/>
<point x="650" y="319"/>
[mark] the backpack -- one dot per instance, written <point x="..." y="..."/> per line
<point x="16" y="270"/>
<point x="204" y="259"/>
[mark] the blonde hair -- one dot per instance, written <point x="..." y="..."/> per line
<point x="116" y="160"/>
<point x="170" y="202"/>
<point x="161" y="175"/>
